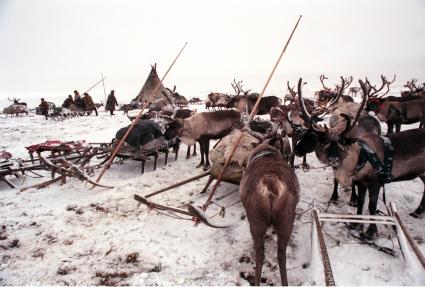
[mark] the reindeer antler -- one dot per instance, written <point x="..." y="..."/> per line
<point x="347" y="83"/>
<point x="237" y="87"/>
<point x="323" y="77"/>
<point x="291" y="90"/>
<point x="385" y="83"/>
<point x="411" y="85"/>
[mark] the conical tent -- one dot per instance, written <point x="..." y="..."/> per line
<point x="151" y="82"/>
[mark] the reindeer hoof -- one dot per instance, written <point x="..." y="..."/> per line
<point x="199" y="165"/>
<point x="188" y="156"/>
<point x="370" y="234"/>
<point x="206" y="167"/>
<point x="414" y="214"/>
<point x="333" y="201"/>
<point x="352" y="203"/>
<point x="306" y="167"/>
<point x="355" y="226"/>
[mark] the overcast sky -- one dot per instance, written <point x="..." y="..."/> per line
<point x="62" y="45"/>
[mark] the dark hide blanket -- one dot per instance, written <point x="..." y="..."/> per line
<point x="143" y="132"/>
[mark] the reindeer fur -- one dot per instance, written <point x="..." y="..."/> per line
<point x="203" y="127"/>
<point x="269" y="192"/>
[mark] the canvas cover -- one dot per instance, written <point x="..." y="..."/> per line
<point x="151" y="82"/>
<point x="239" y="160"/>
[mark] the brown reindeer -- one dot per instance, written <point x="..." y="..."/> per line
<point x="342" y="113"/>
<point x="217" y="101"/>
<point x="17" y="101"/>
<point x="343" y="152"/>
<point x="395" y="111"/>
<point x="184" y="114"/>
<point x="203" y="127"/>
<point x="413" y="89"/>
<point x="323" y="97"/>
<point x="16" y="108"/>
<point x="269" y="192"/>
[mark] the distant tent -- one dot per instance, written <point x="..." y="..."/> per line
<point x="151" y="82"/>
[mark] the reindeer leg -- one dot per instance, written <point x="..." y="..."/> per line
<point x="389" y="128"/>
<point x="360" y="202"/>
<point x="306" y="166"/>
<point x="188" y="152"/>
<point x="292" y="157"/>
<point x="334" y="197"/>
<point x="166" y="157"/>
<point x="353" y="198"/>
<point x="155" y="161"/>
<point x="194" y="150"/>
<point x="372" y="231"/>
<point x="421" y="207"/>
<point x="143" y="166"/>
<point x="283" y="236"/>
<point x="207" y="151"/>
<point x="177" y="153"/>
<point x="258" y="231"/>
<point x="398" y="127"/>
<point x="201" y="147"/>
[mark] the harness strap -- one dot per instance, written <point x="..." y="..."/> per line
<point x="385" y="176"/>
<point x="367" y="154"/>
<point x="258" y="155"/>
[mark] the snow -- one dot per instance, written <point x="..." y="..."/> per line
<point x="75" y="235"/>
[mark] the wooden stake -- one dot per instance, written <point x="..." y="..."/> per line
<point x="114" y="153"/>
<point x="103" y="78"/>
<point x="253" y="112"/>
<point x="104" y="89"/>
<point x="179" y="184"/>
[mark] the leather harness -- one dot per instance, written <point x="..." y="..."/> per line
<point x="382" y="168"/>
<point x="258" y="155"/>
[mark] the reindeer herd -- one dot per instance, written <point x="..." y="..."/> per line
<point x="344" y="134"/>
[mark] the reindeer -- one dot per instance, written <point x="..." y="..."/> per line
<point x="323" y="97"/>
<point x="217" y="100"/>
<point x="184" y="114"/>
<point x="269" y="192"/>
<point x="16" y="101"/>
<point x="146" y="139"/>
<point x="246" y="102"/>
<point x="178" y="99"/>
<point x="395" y="111"/>
<point x="336" y="147"/>
<point x="413" y="89"/>
<point x="353" y="91"/>
<point x="203" y="127"/>
<point x="290" y="117"/>
<point x="366" y="124"/>
<point x="16" y="108"/>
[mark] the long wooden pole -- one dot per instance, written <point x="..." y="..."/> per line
<point x="88" y="90"/>
<point x="114" y="153"/>
<point x="178" y="184"/>
<point x="104" y="89"/>
<point x="253" y="112"/>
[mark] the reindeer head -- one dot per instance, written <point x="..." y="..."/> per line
<point x="173" y="129"/>
<point x="331" y="143"/>
<point x="374" y="99"/>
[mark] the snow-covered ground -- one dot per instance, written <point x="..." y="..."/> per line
<point x="74" y="235"/>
